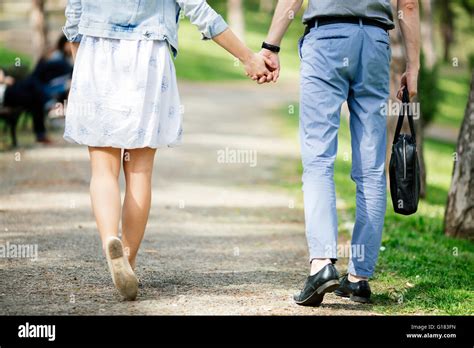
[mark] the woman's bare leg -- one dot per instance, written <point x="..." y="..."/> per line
<point x="138" y="169"/>
<point x="105" y="190"/>
<point x="105" y="196"/>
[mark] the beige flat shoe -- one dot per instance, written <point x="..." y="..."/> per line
<point x="123" y="276"/>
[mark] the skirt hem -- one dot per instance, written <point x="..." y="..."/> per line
<point x="121" y="146"/>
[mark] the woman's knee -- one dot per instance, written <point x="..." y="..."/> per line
<point x="139" y="161"/>
<point x="105" y="163"/>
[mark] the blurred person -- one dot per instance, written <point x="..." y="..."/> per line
<point x="54" y="70"/>
<point x="27" y="94"/>
<point x="40" y="90"/>
<point x="124" y="96"/>
<point x="55" y="63"/>
<point x="345" y="56"/>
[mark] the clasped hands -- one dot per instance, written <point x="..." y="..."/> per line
<point x="263" y="67"/>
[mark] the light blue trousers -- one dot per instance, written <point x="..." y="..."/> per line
<point x="344" y="62"/>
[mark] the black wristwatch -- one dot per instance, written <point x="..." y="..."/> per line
<point x="270" y="47"/>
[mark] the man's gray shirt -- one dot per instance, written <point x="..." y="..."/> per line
<point x="379" y="10"/>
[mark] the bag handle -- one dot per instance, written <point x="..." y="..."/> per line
<point x="405" y="108"/>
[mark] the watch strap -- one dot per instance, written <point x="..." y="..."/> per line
<point x="271" y="47"/>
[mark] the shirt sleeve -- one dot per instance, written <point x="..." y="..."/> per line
<point x="73" y="16"/>
<point x="208" y="21"/>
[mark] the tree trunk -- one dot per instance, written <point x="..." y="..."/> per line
<point x="39" y="28"/>
<point x="427" y="31"/>
<point x="236" y="17"/>
<point x="420" y="138"/>
<point x="459" y="217"/>
<point x="447" y="28"/>
<point x="429" y="51"/>
<point x="397" y="68"/>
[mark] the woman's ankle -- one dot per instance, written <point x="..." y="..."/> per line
<point x="132" y="263"/>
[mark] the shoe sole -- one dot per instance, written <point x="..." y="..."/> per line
<point x="353" y="298"/>
<point x="316" y="298"/>
<point x="359" y="299"/>
<point x="124" y="280"/>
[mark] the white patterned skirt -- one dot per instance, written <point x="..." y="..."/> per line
<point x="124" y="94"/>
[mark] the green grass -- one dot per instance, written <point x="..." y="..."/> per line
<point x="12" y="61"/>
<point x="205" y="61"/>
<point x="420" y="270"/>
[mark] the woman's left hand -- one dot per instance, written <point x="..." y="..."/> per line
<point x="74" y="48"/>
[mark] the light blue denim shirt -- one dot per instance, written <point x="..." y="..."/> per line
<point x="139" y="19"/>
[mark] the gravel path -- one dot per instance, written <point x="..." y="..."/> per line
<point x="222" y="238"/>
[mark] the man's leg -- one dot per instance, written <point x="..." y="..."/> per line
<point x="367" y="100"/>
<point x="325" y="76"/>
<point x="324" y="87"/>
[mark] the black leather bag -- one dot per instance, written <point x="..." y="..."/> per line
<point x="404" y="168"/>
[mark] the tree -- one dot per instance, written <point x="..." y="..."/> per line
<point x="427" y="32"/>
<point x="447" y="26"/>
<point x="459" y="217"/>
<point x="39" y="28"/>
<point x="428" y="92"/>
<point x="235" y="14"/>
<point x="468" y="5"/>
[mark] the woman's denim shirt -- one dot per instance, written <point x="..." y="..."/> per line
<point x="139" y="19"/>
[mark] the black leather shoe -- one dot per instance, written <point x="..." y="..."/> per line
<point x="357" y="292"/>
<point x="326" y="280"/>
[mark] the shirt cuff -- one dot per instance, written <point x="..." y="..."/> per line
<point x="72" y="37"/>
<point x="217" y="26"/>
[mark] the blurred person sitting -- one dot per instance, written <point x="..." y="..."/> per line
<point x="42" y="89"/>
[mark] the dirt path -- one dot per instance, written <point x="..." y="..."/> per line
<point x="222" y="238"/>
<point x="442" y="133"/>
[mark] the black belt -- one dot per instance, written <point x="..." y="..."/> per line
<point x="352" y="20"/>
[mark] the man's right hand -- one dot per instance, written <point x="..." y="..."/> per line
<point x="409" y="81"/>
<point x="275" y="63"/>
<point x="257" y="67"/>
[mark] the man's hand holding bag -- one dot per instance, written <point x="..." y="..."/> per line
<point x="404" y="168"/>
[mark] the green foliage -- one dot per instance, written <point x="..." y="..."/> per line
<point x="468" y="6"/>
<point x="453" y="87"/>
<point x="218" y="5"/>
<point x="8" y="62"/>
<point x="206" y="61"/>
<point x="471" y="61"/>
<point x="9" y="58"/>
<point x="429" y="95"/>
<point x="454" y="16"/>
